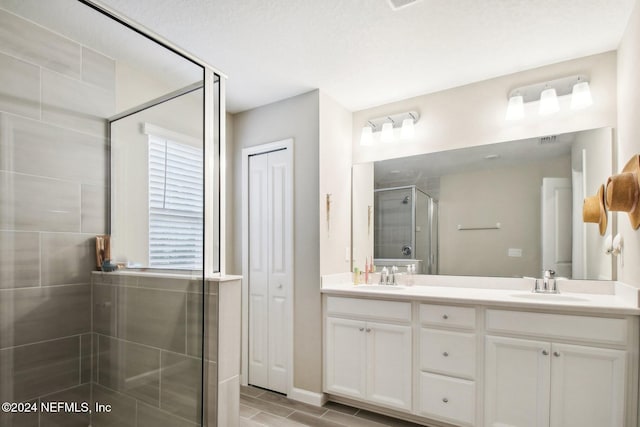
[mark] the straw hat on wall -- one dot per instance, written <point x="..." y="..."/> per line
<point x="593" y="210"/>
<point x="623" y="191"/>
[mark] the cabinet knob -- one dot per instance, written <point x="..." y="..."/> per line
<point x="445" y="317"/>
<point x="545" y="352"/>
<point x="445" y="354"/>
<point x="361" y="329"/>
<point x="279" y="285"/>
<point x="445" y="400"/>
<point x="368" y="329"/>
<point x="556" y="354"/>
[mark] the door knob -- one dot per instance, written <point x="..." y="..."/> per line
<point x="279" y="285"/>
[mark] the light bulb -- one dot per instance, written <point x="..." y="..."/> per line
<point x="387" y="132"/>
<point x="366" y="138"/>
<point x="548" y="102"/>
<point x="581" y="96"/>
<point x="408" y="130"/>
<point x="515" y="109"/>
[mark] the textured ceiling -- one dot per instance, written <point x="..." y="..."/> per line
<point x="363" y="54"/>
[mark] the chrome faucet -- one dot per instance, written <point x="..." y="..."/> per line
<point x="394" y="270"/>
<point x="549" y="283"/>
<point x="384" y="276"/>
<point x="388" y="277"/>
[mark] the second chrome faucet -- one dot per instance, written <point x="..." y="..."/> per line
<point x="549" y="283"/>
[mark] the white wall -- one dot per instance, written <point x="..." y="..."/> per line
<point x="297" y="118"/>
<point x="629" y="135"/>
<point x="474" y="114"/>
<point x="335" y="180"/>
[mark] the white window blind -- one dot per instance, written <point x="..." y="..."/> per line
<point x="176" y="204"/>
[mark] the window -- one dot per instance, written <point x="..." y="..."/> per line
<point x="176" y="204"/>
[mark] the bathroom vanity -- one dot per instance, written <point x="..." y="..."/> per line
<point x="477" y="351"/>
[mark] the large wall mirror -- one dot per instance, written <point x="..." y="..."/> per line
<point x="510" y="209"/>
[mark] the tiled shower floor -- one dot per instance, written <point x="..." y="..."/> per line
<point x="264" y="408"/>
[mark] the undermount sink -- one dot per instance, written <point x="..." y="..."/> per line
<point x="379" y="287"/>
<point x="548" y="297"/>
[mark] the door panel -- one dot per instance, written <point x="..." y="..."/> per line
<point x="389" y="364"/>
<point x="270" y="232"/>
<point x="258" y="272"/>
<point x="345" y="352"/>
<point x="587" y="386"/>
<point x="517" y="382"/>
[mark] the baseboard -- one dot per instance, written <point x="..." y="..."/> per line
<point x="306" y="396"/>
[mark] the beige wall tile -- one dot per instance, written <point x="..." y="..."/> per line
<point x="19" y="87"/>
<point x="35" y="44"/>
<point x="32" y="203"/>
<point x="19" y="259"/>
<point x="67" y="258"/>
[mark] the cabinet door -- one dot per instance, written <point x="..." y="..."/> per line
<point x="345" y="353"/>
<point x="587" y="386"/>
<point x="517" y="382"/>
<point x="389" y="364"/>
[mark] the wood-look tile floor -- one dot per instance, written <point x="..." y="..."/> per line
<point x="260" y="407"/>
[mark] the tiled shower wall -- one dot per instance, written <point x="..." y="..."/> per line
<point x="148" y="349"/>
<point x="54" y="96"/>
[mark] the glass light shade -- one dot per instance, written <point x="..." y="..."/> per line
<point x="581" y="96"/>
<point x="548" y="102"/>
<point x="515" y="109"/>
<point x="387" y="132"/>
<point x="408" y="130"/>
<point x="366" y="137"/>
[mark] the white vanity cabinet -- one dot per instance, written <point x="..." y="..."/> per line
<point x="546" y="382"/>
<point x="368" y="350"/>
<point x="447" y="363"/>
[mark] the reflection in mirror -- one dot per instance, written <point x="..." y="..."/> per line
<point x="157" y="199"/>
<point x="511" y="209"/>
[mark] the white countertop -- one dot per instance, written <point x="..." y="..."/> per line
<point x="584" y="296"/>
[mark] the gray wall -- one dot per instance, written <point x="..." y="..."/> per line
<point x="54" y="95"/>
<point x="510" y="196"/>
<point x="297" y="118"/>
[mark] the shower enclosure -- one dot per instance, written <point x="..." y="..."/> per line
<point x="105" y="130"/>
<point x="406" y="229"/>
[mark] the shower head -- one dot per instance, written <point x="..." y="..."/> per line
<point x="405" y="200"/>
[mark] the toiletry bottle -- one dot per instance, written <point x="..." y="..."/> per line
<point x="366" y="270"/>
<point x="356" y="275"/>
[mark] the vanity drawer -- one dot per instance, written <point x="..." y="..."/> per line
<point x="558" y="326"/>
<point x="370" y="309"/>
<point x="450" y="399"/>
<point x="446" y="352"/>
<point x="447" y="315"/>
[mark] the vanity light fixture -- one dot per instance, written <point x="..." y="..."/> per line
<point x="581" y="95"/>
<point x="515" y="109"/>
<point x="385" y="125"/>
<point x="548" y="102"/>
<point x="366" y="138"/>
<point x="408" y="129"/>
<point x="387" y="131"/>
<point x="547" y="94"/>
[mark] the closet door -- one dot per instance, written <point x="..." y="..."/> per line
<point x="270" y="269"/>
<point x="279" y="255"/>
<point x="258" y="271"/>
